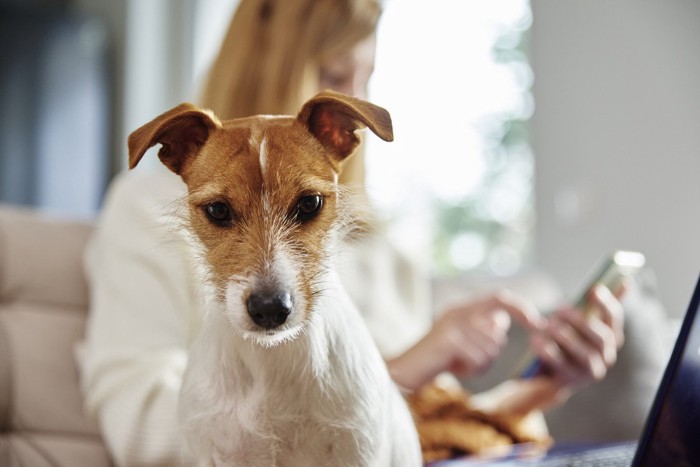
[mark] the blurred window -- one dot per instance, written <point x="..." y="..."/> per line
<point x="457" y="182"/>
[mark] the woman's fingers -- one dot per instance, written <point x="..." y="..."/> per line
<point x="465" y="340"/>
<point x="470" y="353"/>
<point x="554" y="359"/>
<point x="481" y="341"/>
<point x="478" y="330"/>
<point x="581" y="353"/>
<point x="576" y="348"/>
<point x="611" y="310"/>
<point x="519" y="309"/>
<point x="594" y="333"/>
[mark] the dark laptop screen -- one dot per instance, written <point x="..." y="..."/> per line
<point x="674" y="421"/>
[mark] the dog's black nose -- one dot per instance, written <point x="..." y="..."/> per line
<point x="269" y="310"/>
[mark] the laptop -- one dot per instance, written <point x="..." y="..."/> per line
<point x="671" y="435"/>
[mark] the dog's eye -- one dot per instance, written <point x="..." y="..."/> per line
<point x="218" y="212"/>
<point x="308" y="206"/>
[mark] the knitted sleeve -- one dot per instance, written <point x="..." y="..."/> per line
<point x="141" y="320"/>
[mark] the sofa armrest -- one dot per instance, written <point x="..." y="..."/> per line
<point x="43" y="310"/>
<point x="41" y="258"/>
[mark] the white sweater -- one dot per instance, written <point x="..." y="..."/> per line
<point x="144" y="315"/>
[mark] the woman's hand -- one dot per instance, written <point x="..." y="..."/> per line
<point x="464" y="340"/>
<point x="577" y="349"/>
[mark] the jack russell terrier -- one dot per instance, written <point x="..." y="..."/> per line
<point x="283" y="371"/>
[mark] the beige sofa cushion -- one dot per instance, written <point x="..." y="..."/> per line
<point x="43" y="306"/>
<point x="41" y="259"/>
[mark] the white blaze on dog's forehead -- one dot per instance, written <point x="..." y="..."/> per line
<point x="263" y="155"/>
<point x="258" y="143"/>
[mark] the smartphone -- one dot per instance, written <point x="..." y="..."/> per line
<point x="613" y="271"/>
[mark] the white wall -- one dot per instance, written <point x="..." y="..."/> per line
<point x="617" y="137"/>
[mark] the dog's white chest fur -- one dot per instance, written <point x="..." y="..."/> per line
<point x="324" y="398"/>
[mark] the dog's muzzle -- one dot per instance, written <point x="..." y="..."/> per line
<point x="269" y="309"/>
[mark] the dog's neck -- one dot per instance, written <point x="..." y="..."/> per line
<point x="315" y="352"/>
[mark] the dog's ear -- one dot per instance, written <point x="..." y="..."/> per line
<point x="333" y="118"/>
<point x="181" y="131"/>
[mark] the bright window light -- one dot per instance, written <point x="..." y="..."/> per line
<point x="457" y="181"/>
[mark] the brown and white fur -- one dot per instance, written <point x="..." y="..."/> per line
<point x="284" y="371"/>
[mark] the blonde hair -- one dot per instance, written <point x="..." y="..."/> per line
<point x="270" y="59"/>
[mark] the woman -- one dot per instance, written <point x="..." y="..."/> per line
<point x="277" y="54"/>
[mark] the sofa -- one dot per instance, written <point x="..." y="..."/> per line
<point x="43" y="308"/>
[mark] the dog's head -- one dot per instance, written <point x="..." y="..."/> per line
<point x="264" y="201"/>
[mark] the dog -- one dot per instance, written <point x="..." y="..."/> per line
<point x="283" y="371"/>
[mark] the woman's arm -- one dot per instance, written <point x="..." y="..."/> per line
<point x="464" y="340"/>
<point x="141" y="319"/>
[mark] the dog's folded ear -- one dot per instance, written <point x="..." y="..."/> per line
<point x="181" y="131"/>
<point x="333" y="118"/>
